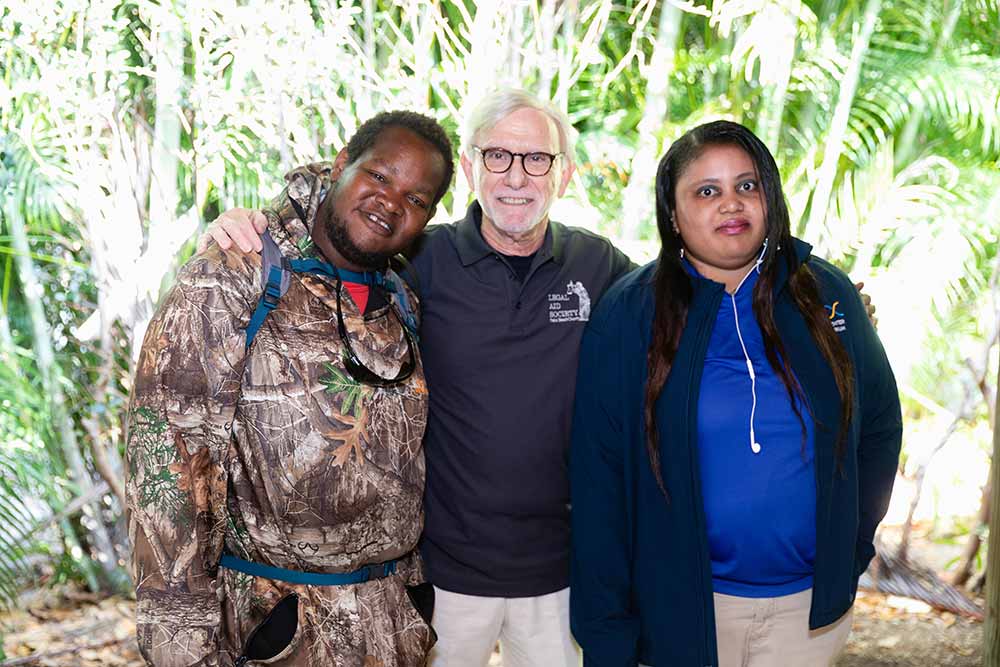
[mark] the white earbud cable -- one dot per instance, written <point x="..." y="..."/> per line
<point x="754" y="445"/>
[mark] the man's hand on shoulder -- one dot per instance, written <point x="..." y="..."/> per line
<point x="241" y="227"/>
<point x="867" y="301"/>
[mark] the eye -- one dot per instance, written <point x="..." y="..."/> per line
<point x="496" y="154"/>
<point x="417" y="201"/>
<point x="377" y="176"/>
<point x="538" y="158"/>
<point x="747" y="186"/>
<point x="706" y="191"/>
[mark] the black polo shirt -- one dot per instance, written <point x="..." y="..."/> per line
<point x="500" y="359"/>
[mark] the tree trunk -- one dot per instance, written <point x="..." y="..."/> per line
<point x="991" y="630"/>
<point x="637" y="205"/>
<point x="6" y="338"/>
<point x="52" y="383"/>
<point x="841" y="115"/>
<point x="162" y="244"/>
<point x="571" y="13"/>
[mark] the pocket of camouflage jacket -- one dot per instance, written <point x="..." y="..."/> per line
<point x="274" y="634"/>
<point x="422" y="598"/>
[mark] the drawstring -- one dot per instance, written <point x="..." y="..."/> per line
<point x="754" y="445"/>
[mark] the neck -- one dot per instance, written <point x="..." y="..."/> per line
<point x="330" y="255"/>
<point x="731" y="278"/>
<point x="514" y="243"/>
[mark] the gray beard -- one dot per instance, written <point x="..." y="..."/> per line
<point x="336" y="231"/>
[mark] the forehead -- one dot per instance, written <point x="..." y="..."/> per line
<point x="719" y="161"/>
<point x="406" y="154"/>
<point x="523" y="130"/>
<point x="394" y="140"/>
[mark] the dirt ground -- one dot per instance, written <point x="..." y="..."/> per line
<point x="67" y="629"/>
<point x="896" y="632"/>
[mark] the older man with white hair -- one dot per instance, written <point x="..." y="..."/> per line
<point x="506" y="295"/>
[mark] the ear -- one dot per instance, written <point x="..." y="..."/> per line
<point x="567" y="174"/>
<point x="339" y="164"/>
<point x="467" y="168"/>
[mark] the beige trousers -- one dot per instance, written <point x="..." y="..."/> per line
<point x="774" y="632"/>
<point x="533" y="631"/>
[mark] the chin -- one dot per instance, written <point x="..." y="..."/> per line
<point x="516" y="227"/>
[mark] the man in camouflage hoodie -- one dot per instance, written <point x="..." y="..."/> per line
<point x="301" y="448"/>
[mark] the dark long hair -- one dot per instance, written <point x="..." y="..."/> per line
<point x="673" y="288"/>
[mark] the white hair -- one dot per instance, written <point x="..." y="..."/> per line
<point x="502" y="102"/>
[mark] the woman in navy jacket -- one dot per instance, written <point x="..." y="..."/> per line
<point x="735" y="435"/>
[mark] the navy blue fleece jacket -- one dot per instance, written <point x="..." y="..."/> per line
<point x="641" y="580"/>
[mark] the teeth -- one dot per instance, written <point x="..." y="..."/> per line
<point x="378" y="221"/>
<point x="513" y="200"/>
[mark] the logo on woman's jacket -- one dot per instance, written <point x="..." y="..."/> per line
<point x="836" y="318"/>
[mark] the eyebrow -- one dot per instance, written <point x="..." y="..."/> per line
<point x="738" y="176"/>
<point x="388" y="167"/>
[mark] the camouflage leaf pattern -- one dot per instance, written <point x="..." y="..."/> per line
<point x="277" y="456"/>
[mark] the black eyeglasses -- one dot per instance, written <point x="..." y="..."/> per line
<point x="499" y="160"/>
<point x="354" y="365"/>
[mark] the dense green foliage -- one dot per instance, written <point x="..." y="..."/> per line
<point x="124" y="126"/>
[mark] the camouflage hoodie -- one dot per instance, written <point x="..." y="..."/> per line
<point x="277" y="456"/>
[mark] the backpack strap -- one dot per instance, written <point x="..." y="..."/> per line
<point x="404" y="268"/>
<point x="276" y="274"/>
<point x="276" y="277"/>
<point x="407" y="313"/>
<point x="403" y="275"/>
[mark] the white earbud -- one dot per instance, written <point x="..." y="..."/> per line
<point x="760" y="258"/>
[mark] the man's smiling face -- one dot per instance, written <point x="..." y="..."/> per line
<point x="515" y="202"/>
<point x="380" y="202"/>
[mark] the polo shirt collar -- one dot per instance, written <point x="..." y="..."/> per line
<point x="472" y="247"/>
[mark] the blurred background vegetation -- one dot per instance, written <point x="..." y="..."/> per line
<point x="125" y="126"/>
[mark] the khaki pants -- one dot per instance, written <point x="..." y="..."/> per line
<point x="533" y="631"/>
<point x="774" y="632"/>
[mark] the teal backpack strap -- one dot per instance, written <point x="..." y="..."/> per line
<point x="403" y="303"/>
<point x="276" y="272"/>
<point x="404" y="269"/>
<point x="276" y="277"/>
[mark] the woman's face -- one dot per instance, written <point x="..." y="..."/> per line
<point x="719" y="211"/>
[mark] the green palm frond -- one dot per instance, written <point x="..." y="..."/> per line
<point x="28" y="474"/>
<point x="959" y="93"/>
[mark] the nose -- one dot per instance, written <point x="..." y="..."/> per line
<point x="389" y="201"/>
<point x="516" y="176"/>
<point x="731" y="203"/>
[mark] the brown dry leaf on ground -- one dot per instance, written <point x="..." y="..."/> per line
<point x="886" y="634"/>
<point x="75" y="631"/>
<point x="66" y="629"/>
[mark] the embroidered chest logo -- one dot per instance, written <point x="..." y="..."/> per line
<point x="837" y="318"/>
<point x="573" y="305"/>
